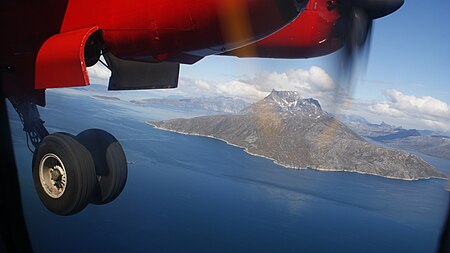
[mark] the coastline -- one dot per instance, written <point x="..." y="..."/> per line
<point x="288" y="166"/>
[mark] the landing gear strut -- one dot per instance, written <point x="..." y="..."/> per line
<point x="69" y="172"/>
<point x="31" y="120"/>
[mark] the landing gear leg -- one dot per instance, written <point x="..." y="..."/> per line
<point x="33" y="125"/>
<point x="71" y="171"/>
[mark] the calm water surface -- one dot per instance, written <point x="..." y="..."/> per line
<point x="196" y="194"/>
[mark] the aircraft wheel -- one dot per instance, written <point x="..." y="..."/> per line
<point x="110" y="164"/>
<point x="63" y="174"/>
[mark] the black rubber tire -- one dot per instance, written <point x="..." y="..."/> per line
<point x="79" y="167"/>
<point x="110" y="164"/>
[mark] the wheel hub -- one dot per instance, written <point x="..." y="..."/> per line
<point x="52" y="175"/>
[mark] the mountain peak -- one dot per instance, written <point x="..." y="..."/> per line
<point x="292" y="101"/>
<point x="287" y="95"/>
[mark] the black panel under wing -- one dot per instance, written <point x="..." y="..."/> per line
<point x="134" y="75"/>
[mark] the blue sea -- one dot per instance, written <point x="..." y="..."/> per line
<point x="197" y="194"/>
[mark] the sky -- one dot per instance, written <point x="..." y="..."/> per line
<point x="406" y="82"/>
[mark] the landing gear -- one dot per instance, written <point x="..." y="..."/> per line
<point x="69" y="172"/>
<point x="63" y="174"/>
<point x="110" y="164"/>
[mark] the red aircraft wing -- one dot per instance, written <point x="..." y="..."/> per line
<point x="50" y="43"/>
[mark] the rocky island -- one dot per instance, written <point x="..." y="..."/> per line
<point x="296" y="133"/>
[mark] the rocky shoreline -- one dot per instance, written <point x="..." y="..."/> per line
<point x="154" y="124"/>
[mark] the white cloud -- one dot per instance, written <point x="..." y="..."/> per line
<point x="308" y="82"/>
<point x="321" y="79"/>
<point x="425" y="105"/>
<point x="384" y="108"/>
<point x="240" y="89"/>
<point x="314" y="82"/>
<point x="202" y="85"/>
<point x="99" y="74"/>
<point x="420" y="112"/>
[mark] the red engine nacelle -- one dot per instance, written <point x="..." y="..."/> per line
<point x="312" y="34"/>
<point x="53" y="42"/>
<point x="154" y="31"/>
<point x="321" y="29"/>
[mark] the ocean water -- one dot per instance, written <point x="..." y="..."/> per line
<point x="197" y="194"/>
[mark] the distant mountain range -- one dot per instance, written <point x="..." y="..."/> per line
<point x="424" y="141"/>
<point x="216" y="104"/>
<point x="297" y="133"/>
